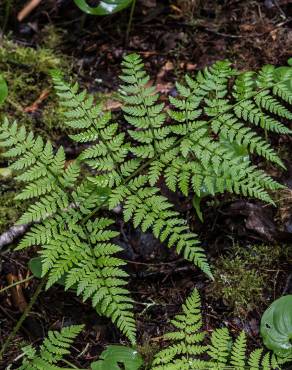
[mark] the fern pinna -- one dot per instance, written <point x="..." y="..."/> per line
<point x="189" y="348"/>
<point x="201" y="145"/>
<point x="73" y="245"/>
<point x="52" y="351"/>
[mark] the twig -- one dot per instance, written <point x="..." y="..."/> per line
<point x="23" y="316"/>
<point x="16" y="283"/>
<point x="28" y="8"/>
<point x="17" y="231"/>
<point x="11" y="234"/>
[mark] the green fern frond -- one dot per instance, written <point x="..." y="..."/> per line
<point x="219" y="349"/>
<point x="202" y="147"/>
<point x="184" y="152"/>
<point x="187" y="341"/>
<point x="109" y="150"/>
<point x="204" y="154"/>
<point x="38" y="166"/>
<point x="238" y="352"/>
<point x="69" y="248"/>
<point x="229" y="128"/>
<point x="187" y="349"/>
<point x="249" y="112"/>
<point x="114" y="170"/>
<point x="148" y="209"/>
<point x="142" y="110"/>
<point x="84" y="256"/>
<point x="255" y="106"/>
<point x="52" y="351"/>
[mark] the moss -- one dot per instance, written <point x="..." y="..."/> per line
<point x="26" y="72"/>
<point x="52" y="37"/>
<point x="38" y="60"/>
<point x="148" y="351"/>
<point x="243" y="278"/>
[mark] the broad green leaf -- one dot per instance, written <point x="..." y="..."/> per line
<point x="276" y="326"/>
<point x="114" y="355"/>
<point x="35" y="266"/>
<point x="105" y="7"/>
<point x="3" y="90"/>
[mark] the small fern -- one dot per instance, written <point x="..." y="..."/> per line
<point x="52" y="351"/>
<point x="57" y="345"/>
<point x="194" y="147"/>
<point x="188" y="349"/>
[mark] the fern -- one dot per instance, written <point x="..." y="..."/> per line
<point x="142" y="111"/>
<point x="188" y="349"/>
<point x="79" y="250"/>
<point x="184" y="152"/>
<point x="42" y="170"/>
<point x="201" y="146"/>
<point x="57" y="345"/>
<point x="52" y="351"/>
<point x="143" y="204"/>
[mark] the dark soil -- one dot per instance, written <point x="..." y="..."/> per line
<point x="250" y="34"/>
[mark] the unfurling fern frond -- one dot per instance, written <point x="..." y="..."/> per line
<point x="189" y="349"/>
<point x="53" y="350"/>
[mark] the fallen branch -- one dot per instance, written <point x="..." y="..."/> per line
<point x="9" y="236"/>
<point x="15" y="232"/>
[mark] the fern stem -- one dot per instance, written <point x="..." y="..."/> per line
<point x="23" y="316"/>
<point x="16" y="283"/>
<point x="69" y="363"/>
<point x="130" y="21"/>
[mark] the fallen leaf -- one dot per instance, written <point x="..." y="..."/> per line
<point x="18" y="298"/>
<point x="111" y="104"/>
<point x="247" y="27"/>
<point x="164" y="87"/>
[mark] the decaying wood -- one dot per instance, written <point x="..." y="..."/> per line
<point x="9" y="236"/>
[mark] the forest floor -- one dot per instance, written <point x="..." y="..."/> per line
<point x="248" y="244"/>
